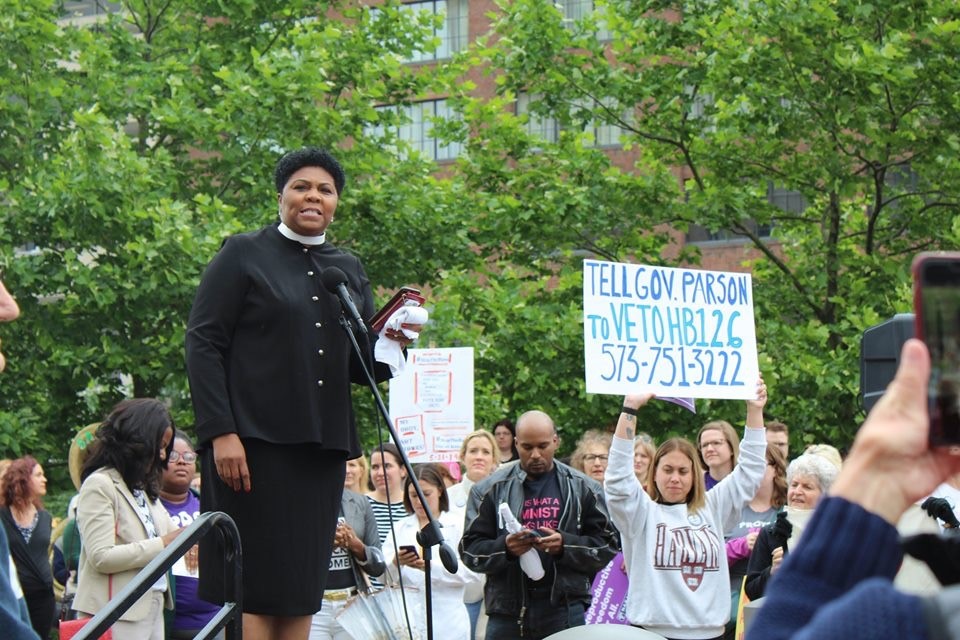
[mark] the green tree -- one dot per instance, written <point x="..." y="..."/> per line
<point x="134" y="146"/>
<point x="852" y="106"/>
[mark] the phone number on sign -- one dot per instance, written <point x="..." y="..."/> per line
<point x="668" y="366"/>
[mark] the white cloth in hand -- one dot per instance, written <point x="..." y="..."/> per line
<point x="390" y="352"/>
<point x="529" y="559"/>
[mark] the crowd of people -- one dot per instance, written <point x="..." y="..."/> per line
<point x="704" y="525"/>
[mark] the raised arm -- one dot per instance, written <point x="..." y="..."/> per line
<point x="755" y="407"/>
<point x="8" y="306"/>
<point x="627" y="424"/>
<point x="739" y="487"/>
<point x="625" y="497"/>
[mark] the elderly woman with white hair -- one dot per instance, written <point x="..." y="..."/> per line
<point x="808" y="478"/>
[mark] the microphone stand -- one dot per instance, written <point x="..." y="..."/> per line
<point x="430" y="535"/>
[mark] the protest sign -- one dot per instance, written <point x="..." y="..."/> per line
<point x="431" y="403"/>
<point x="683" y="333"/>
<point x="608" y="604"/>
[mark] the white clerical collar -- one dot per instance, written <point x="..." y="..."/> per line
<point x="307" y="240"/>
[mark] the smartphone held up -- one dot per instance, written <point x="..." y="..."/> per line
<point x="936" y="301"/>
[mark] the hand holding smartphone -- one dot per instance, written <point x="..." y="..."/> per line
<point x="409" y="548"/>
<point x="936" y="302"/>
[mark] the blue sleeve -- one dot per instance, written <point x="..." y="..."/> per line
<point x="837" y="582"/>
<point x="14" y="619"/>
<point x="60" y="571"/>
<point x="874" y="610"/>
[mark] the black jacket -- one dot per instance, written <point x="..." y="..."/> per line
<point x="589" y="540"/>
<point x="770" y="537"/>
<point x="266" y="355"/>
<point x="32" y="559"/>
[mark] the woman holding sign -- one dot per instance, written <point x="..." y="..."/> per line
<point x="686" y="586"/>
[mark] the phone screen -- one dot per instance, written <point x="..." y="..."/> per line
<point x="409" y="548"/>
<point x="937" y="310"/>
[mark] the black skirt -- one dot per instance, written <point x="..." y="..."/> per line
<point x="287" y="523"/>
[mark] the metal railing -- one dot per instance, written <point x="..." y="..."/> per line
<point x="230" y="615"/>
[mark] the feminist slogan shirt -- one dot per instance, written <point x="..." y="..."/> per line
<point x="541" y="508"/>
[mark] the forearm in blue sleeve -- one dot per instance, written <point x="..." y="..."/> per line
<point x="843" y="546"/>
<point x="874" y="610"/>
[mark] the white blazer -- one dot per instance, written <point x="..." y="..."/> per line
<point x="449" y="612"/>
<point x="114" y="543"/>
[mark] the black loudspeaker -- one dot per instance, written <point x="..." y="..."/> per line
<point x="880" y="355"/>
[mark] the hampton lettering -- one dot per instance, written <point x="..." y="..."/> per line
<point x="687" y="546"/>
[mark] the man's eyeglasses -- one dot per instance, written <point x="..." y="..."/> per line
<point x="716" y="444"/>
<point x="591" y="457"/>
<point x="187" y="457"/>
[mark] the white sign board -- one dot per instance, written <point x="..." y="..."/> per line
<point x="674" y="332"/>
<point x="431" y="403"/>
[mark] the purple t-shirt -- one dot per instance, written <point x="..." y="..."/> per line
<point x="708" y="481"/>
<point x="191" y="612"/>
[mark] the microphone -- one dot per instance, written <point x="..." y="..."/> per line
<point x="448" y="558"/>
<point x="335" y="281"/>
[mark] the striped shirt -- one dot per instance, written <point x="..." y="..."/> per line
<point x="383" y="513"/>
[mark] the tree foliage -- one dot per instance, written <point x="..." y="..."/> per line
<point x="134" y="146"/>
<point x="850" y="105"/>
<point x="137" y="144"/>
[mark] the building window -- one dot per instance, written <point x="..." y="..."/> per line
<point x="700" y="108"/>
<point x="548" y="128"/>
<point x="608" y="135"/>
<point x="88" y="8"/>
<point x="413" y="124"/>
<point x="452" y="34"/>
<point x="576" y="10"/>
<point x="783" y="199"/>
<point x="698" y="234"/>
<point x="790" y="201"/>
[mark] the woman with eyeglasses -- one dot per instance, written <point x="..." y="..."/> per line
<point x="591" y="454"/>
<point x="122" y="524"/>
<point x="672" y="536"/>
<point x="809" y="478"/>
<point x="191" y="614"/>
<point x="719" y="447"/>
